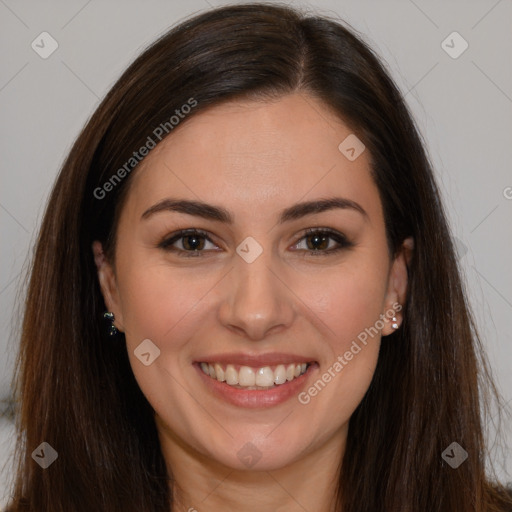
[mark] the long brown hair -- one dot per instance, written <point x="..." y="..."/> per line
<point x="75" y="387"/>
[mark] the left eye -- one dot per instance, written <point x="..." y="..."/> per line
<point x="318" y="241"/>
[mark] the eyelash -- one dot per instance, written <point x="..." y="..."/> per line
<point x="342" y="241"/>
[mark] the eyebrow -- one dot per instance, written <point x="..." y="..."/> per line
<point x="220" y="214"/>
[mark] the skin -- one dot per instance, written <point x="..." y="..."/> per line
<point x="254" y="159"/>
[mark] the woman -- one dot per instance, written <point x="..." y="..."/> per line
<point x="252" y="212"/>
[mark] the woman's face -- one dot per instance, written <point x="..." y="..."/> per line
<point x="254" y="295"/>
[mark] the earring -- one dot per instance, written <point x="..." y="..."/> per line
<point x="395" y="323"/>
<point x="110" y="318"/>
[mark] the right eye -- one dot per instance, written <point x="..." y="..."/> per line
<point x="192" y="242"/>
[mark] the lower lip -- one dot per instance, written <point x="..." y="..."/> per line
<point x="254" y="398"/>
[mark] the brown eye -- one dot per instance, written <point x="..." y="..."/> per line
<point x="319" y="241"/>
<point x="192" y="242"/>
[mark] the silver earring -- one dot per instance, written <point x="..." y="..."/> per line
<point x="109" y="316"/>
<point x="395" y="323"/>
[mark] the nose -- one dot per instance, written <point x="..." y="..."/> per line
<point x="257" y="300"/>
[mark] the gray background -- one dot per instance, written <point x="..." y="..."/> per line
<point x="463" y="107"/>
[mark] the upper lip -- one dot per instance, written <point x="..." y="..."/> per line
<point x="257" y="360"/>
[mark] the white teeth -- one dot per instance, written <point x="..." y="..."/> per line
<point x="254" y="378"/>
<point x="264" y="377"/>
<point x="280" y="374"/>
<point x="231" y="375"/>
<point x="246" y="377"/>
<point x="219" y="372"/>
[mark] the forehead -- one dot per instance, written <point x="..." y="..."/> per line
<point x="249" y="154"/>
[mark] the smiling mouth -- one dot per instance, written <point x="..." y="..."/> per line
<point x="249" y="378"/>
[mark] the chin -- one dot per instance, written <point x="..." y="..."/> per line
<point x="258" y="451"/>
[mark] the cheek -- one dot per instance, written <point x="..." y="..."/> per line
<point x="350" y="303"/>
<point x="157" y="300"/>
<point x="348" y="299"/>
<point x="162" y="304"/>
<point x="173" y="308"/>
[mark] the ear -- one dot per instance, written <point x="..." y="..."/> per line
<point x="396" y="294"/>
<point x="108" y="284"/>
